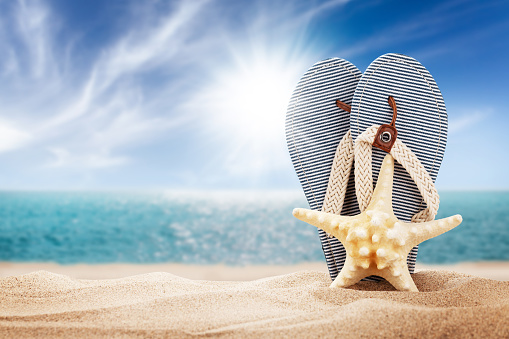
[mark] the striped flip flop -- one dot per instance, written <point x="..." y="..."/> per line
<point x="421" y="124"/>
<point x="315" y="126"/>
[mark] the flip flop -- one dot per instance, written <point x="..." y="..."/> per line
<point x="315" y="126"/>
<point x="421" y="124"/>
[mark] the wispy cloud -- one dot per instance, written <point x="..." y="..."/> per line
<point x="34" y="24"/>
<point x="64" y="158"/>
<point x="434" y="23"/>
<point x="461" y="123"/>
<point x="83" y="116"/>
<point x="161" y="72"/>
<point x="206" y="83"/>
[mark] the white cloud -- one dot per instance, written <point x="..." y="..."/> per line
<point x="90" y="111"/>
<point x="65" y="158"/>
<point x="94" y="109"/>
<point x="424" y="25"/>
<point x="465" y="121"/>
<point x="34" y="24"/>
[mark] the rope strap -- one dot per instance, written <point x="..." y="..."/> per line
<point x="342" y="165"/>
<point x="338" y="179"/>
<point x="407" y="158"/>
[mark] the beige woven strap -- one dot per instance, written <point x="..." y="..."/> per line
<point x="342" y="165"/>
<point x="407" y="158"/>
<point x="338" y="179"/>
<point x="363" y="170"/>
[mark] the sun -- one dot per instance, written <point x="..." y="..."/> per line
<point x="255" y="96"/>
<point x="258" y="97"/>
<point x="248" y="103"/>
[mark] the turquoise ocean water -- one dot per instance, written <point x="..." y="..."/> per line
<point x="234" y="228"/>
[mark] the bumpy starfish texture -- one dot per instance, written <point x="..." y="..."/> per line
<point x="376" y="242"/>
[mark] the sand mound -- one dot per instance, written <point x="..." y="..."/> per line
<point x="294" y="305"/>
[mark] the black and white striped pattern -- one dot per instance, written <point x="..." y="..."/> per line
<point x="314" y="128"/>
<point x="421" y="123"/>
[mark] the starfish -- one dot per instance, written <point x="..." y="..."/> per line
<point x="376" y="242"/>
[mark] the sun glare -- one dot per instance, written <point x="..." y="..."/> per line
<point x="260" y="98"/>
<point x="257" y="100"/>
<point x="249" y="104"/>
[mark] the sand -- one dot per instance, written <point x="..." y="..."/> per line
<point x="196" y="272"/>
<point x="496" y="270"/>
<point x="300" y="304"/>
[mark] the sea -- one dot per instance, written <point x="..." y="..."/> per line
<point x="233" y="228"/>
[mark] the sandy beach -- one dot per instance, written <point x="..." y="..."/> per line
<point x="492" y="270"/>
<point x="298" y="304"/>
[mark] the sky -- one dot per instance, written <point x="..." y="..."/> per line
<point x="193" y="94"/>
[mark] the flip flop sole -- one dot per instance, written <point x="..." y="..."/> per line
<point x="421" y="123"/>
<point x="314" y="128"/>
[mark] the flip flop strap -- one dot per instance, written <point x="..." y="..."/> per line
<point x="408" y="159"/>
<point x="338" y="179"/>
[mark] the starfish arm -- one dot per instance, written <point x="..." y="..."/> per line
<point x="349" y="275"/>
<point x="330" y="223"/>
<point x="399" y="277"/>
<point x="382" y="196"/>
<point x="422" y="231"/>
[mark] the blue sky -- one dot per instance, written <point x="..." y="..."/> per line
<point x="192" y="94"/>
